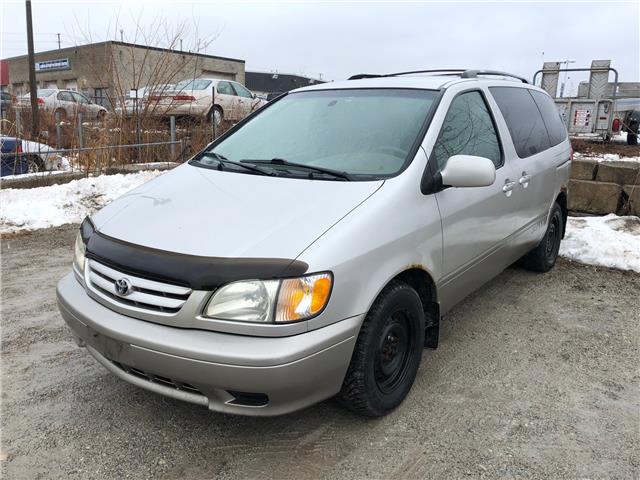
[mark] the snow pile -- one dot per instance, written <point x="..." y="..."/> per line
<point x="608" y="241"/>
<point x="55" y="205"/>
<point x="606" y="157"/>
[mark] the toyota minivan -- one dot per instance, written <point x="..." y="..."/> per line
<point x="312" y="250"/>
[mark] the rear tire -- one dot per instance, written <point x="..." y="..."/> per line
<point x="35" y="164"/>
<point x="387" y="353"/>
<point x="544" y="256"/>
<point x="215" y="115"/>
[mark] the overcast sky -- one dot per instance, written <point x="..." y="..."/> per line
<point x="339" y="39"/>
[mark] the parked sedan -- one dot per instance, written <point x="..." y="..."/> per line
<point x="66" y="103"/>
<point x="147" y="100"/>
<point x="194" y="97"/>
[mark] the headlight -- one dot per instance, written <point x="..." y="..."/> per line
<point x="78" y="254"/>
<point x="271" y="301"/>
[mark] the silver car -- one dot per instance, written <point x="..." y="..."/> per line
<point x="312" y="250"/>
<point x="65" y="103"/>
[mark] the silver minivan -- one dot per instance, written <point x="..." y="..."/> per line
<point x="312" y="250"/>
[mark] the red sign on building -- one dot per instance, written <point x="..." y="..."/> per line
<point x="4" y="73"/>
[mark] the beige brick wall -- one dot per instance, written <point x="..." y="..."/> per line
<point x="120" y="67"/>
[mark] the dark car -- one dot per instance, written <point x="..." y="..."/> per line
<point x="630" y="125"/>
<point x="14" y="162"/>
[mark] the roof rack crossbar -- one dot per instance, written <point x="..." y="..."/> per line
<point x="475" y="73"/>
<point x="464" y="73"/>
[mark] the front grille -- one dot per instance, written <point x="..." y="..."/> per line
<point x="150" y="377"/>
<point x="144" y="294"/>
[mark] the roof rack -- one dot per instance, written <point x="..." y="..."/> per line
<point x="464" y="73"/>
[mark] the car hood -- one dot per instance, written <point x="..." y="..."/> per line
<point x="214" y="213"/>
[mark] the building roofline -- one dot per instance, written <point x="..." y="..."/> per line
<point x="286" y="73"/>
<point x="126" y="44"/>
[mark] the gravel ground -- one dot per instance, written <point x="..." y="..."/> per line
<point x="536" y="377"/>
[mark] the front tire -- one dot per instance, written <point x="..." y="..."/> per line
<point x="544" y="256"/>
<point x="387" y="353"/>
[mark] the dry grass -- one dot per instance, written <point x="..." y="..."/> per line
<point x="107" y="137"/>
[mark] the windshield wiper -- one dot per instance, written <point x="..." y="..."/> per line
<point x="222" y="160"/>
<point x="302" y="166"/>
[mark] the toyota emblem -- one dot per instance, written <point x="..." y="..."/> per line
<point x="123" y="287"/>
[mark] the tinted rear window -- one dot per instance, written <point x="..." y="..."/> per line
<point x="551" y="116"/>
<point x="523" y="118"/>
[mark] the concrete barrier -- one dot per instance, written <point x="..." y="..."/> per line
<point x="583" y="169"/>
<point x="605" y="187"/>
<point x="622" y="173"/>
<point x="632" y="200"/>
<point x="594" y="197"/>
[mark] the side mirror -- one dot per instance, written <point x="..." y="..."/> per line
<point x="468" y="171"/>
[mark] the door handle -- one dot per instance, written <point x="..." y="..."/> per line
<point x="524" y="180"/>
<point x="507" y="188"/>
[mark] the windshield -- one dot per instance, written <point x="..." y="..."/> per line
<point x="368" y="132"/>
<point x="198" y="84"/>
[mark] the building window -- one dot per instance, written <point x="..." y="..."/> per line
<point x="100" y="97"/>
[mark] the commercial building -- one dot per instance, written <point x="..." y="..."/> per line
<point x="107" y="71"/>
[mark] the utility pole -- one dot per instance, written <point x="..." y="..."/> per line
<point x="33" y="94"/>
<point x="58" y="40"/>
<point x="566" y="64"/>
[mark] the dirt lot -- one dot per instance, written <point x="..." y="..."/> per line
<point x="536" y="377"/>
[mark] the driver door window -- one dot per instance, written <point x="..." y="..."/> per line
<point x="245" y="100"/>
<point x="81" y="99"/>
<point x="468" y="129"/>
<point x="242" y="91"/>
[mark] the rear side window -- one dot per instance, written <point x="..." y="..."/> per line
<point x="551" y="116"/>
<point x="225" y="88"/>
<point x="523" y="119"/>
<point x="468" y="129"/>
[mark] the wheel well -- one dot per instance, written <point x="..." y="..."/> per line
<point x="423" y="284"/>
<point x="562" y="201"/>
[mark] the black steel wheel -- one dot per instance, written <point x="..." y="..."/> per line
<point x="387" y="353"/>
<point x="544" y="256"/>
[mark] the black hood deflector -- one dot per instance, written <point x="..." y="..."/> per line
<point x="196" y="272"/>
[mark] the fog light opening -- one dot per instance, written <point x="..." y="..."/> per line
<point x="246" y="399"/>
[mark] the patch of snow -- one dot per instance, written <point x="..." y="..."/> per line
<point x="606" y="157"/>
<point x="35" y="174"/>
<point x="609" y="241"/>
<point x="620" y="138"/>
<point x="55" y="205"/>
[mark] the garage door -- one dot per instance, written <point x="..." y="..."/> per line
<point x="214" y="74"/>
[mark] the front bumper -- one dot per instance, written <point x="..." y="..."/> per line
<point x="210" y="368"/>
